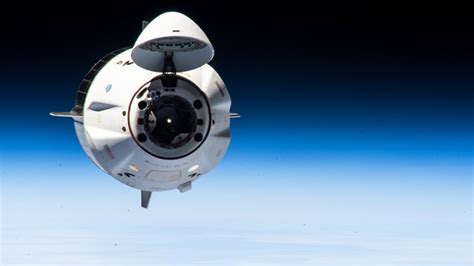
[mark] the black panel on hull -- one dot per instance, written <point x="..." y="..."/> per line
<point x="89" y="77"/>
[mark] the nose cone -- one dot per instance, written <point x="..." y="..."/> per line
<point x="176" y="34"/>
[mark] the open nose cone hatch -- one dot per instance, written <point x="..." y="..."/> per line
<point x="172" y="35"/>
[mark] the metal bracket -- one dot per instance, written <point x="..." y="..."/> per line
<point x="169" y="72"/>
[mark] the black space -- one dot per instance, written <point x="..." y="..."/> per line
<point x="422" y="56"/>
<point x="427" y="39"/>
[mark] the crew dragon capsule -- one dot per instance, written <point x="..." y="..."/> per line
<point x="155" y="116"/>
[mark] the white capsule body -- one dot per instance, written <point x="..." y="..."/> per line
<point x="106" y="130"/>
<point x="110" y="124"/>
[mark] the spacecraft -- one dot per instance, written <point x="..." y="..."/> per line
<point x="155" y="116"/>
